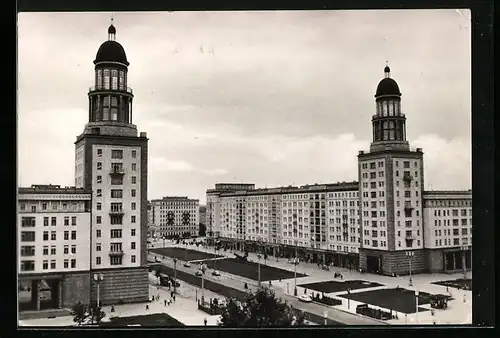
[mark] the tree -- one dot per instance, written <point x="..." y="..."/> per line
<point x="259" y="309"/>
<point x="80" y="313"/>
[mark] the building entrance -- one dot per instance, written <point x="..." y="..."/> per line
<point x="373" y="264"/>
<point x="41" y="294"/>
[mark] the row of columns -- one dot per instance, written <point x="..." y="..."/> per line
<point x="120" y="118"/>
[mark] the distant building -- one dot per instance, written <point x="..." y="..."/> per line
<point x="385" y="223"/>
<point x="175" y="216"/>
<point x="53" y="226"/>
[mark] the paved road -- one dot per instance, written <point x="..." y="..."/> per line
<point x="223" y="286"/>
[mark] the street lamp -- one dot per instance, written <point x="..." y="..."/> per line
<point x="296" y="261"/>
<point x="410" y="255"/>
<point x="98" y="278"/>
<point x="175" y="275"/>
<point x="416" y="306"/>
<point x="258" y="267"/>
<point x="202" y="268"/>
<point x="163" y="237"/>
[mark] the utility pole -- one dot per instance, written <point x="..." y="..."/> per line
<point x="175" y="275"/>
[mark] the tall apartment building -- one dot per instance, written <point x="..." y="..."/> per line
<point x="53" y="226"/>
<point x="111" y="160"/>
<point x="384" y="223"/>
<point x="176" y="216"/>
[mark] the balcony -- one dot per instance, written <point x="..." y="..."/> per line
<point x="409" y="237"/>
<point x="116" y="212"/>
<point x="117" y="171"/>
<point x="407" y="178"/>
<point x="116" y="252"/>
<point x="101" y="88"/>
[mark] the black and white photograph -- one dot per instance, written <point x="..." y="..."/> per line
<point x="244" y="168"/>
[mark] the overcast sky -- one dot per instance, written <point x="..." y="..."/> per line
<point x="271" y="98"/>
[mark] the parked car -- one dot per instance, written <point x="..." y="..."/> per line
<point x="198" y="273"/>
<point x="187" y="265"/>
<point x="216" y="273"/>
<point x="305" y="298"/>
<point x="157" y="260"/>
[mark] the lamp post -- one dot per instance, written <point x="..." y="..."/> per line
<point x="202" y="268"/>
<point x="163" y="237"/>
<point x="296" y="261"/>
<point x="416" y="306"/>
<point x="258" y="267"/>
<point x="175" y="275"/>
<point x="98" y="278"/>
<point x="410" y="255"/>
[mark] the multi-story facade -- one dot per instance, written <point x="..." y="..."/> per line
<point x="53" y="244"/>
<point x="176" y="216"/>
<point x="111" y="160"/>
<point x="381" y="224"/>
<point x="448" y="229"/>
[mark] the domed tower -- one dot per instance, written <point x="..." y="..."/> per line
<point x="389" y="124"/>
<point x="111" y="160"/>
<point x="110" y="98"/>
<point x="391" y="182"/>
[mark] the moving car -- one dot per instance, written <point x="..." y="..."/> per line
<point x="216" y="273"/>
<point x="198" y="273"/>
<point x="187" y="265"/>
<point x="305" y="298"/>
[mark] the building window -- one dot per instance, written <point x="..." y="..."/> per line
<point x="28" y="236"/>
<point x="54" y="205"/>
<point x="116" y="193"/>
<point x="132" y="205"/>
<point x="66" y="220"/>
<point x="98" y="206"/>
<point x="134" y="154"/>
<point x="98" y="247"/>
<point x="45" y="221"/>
<point x="44" y="206"/>
<point x="134" y="166"/>
<point x="66" y="263"/>
<point x="53" y="236"/>
<point x="99" y="179"/>
<point x="28" y="222"/>
<point x="98" y="219"/>
<point x="132" y="245"/>
<point x="53" y="221"/>
<point x="27" y="251"/>
<point x="73" y="249"/>
<point x="73" y="235"/>
<point x="52" y="249"/>
<point x="73" y="220"/>
<point x="33" y="208"/>
<point x="53" y="264"/>
<point x="132" y="192"/>
<point x="116" y="260"/>
<point x="116" y="154"/>
<point x="23" y="206"/>
<point x="132" y="232"/>
<point x="99" y="152"/>
<point x="132" y="259"/>
<point x="99" y="193"/>
<point x="99" y="165"/>
<point x="98" y="260"/>
<point x="73" y="263"/>
<point x="45" y="265"/>
<point x="116" y="233"/>
<point x="66" y="249"/>
<point x="116" y="180"/>
<point x="98" y="233"/>
<point x="134" y="179"/>
<point x="66" y="235"/>
<point x="132" y="219"/>
<point x="116" y="219"/>
<point x="106" y="78"/>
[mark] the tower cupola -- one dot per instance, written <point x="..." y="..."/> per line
<point x="389" y="123"/>
<point x="110" y="98"/>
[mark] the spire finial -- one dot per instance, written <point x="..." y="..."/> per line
<point x="111" y="30"/>
<point x="387" y="70"/>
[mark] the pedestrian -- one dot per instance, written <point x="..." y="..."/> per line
<point x="165" y="302"/>
<point x="147" y="307"/>
<point x="205" y="321"/>
<point x="447" y="290"/>
<point x="112" y="308"/>
<point x="174" y="298"/>
<point x="171" y="294"/>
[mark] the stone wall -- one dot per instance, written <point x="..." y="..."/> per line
<point x="75" y="288"/>
<point x="129" y="285"/>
